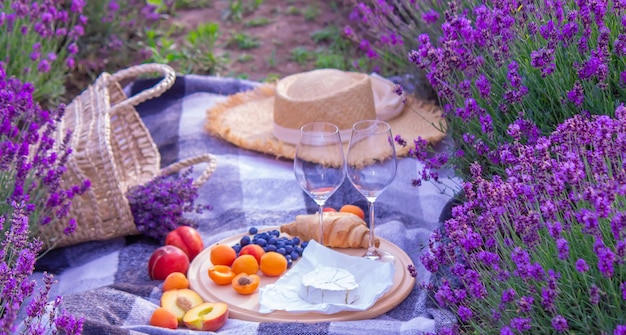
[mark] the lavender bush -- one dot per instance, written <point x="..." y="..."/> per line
<point x="38" y="43"/>
<point x="32" y="194"/>
<point x="497" y="63"/>
<point x="541" y="250"/>
<point x="160" y="205"/>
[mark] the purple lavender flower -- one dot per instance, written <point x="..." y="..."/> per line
<point x="594" y="294"/>
<point x="576" y="94"/>
<point x="560" y="324"/>
<point x="582" y="266"/>
<point x="465" y="313"/>
<point x="521" y="324"/>
<point x="563" y="248"/>
<point x="158" y="207"/>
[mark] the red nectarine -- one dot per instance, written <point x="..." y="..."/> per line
<point x="165" y="260"/>
<point x="188" y="239"/>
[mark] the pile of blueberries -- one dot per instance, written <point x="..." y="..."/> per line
<point x="272" y="241"/>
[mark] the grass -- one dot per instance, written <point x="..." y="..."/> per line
<point x="257" y="22"/>
<point x="311" y="13"/>
<point x="301" y="55"/>
<point x="244" y="41"/>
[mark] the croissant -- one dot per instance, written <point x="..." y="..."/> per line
<point x="341" y="230"/>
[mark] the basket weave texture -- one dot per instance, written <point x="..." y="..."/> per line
<point x="114" y="150"/>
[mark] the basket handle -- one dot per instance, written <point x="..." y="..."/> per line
<point x="185" y="163"/>
<point x="169" y="76"/>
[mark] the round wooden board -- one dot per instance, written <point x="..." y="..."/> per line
<point x="245" y="307"/>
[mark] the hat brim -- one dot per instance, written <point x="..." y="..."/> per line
<point x="246" y="120"/>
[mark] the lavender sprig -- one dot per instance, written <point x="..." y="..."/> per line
<point x="160" y="205"/>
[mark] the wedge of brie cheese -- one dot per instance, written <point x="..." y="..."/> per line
<point x="329" y="285"/>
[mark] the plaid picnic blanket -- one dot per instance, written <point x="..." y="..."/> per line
<point x="107" y="282"/>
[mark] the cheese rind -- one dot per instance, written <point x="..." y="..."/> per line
<point x="329" y="285"/>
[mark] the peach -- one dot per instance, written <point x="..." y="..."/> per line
<point x="165" y="260"/>
<point x="179" y="301"/>
<point x="253" y="249"/>
<point x="161" y="317"/>
<point x="209" y="316"/>
<point x="188" y="239"/>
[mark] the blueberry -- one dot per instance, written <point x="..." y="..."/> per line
<point x="304" y="244"/>
<point x="253" y="230"/>
<point x="294" y="255"/>
<point x="237" y="248"/>
<point x="261" y="241"/>
<point x="281" y="251"/>
<point x="272" y="240"/>
<point x="275" y="232"/>
<point x="296" y="241"/>
<point x="289" y="263"/>
<point x="288" y="249"/>
<point x="245" y="240"/>
<point x="271" y="247"/>
<point x="299" y="250"/>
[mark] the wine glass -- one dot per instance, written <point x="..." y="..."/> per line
<point x="371" y="168"/>
<point x="319" y="164"/>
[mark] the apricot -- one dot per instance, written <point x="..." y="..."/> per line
<point x="356" y="210"/>
<point x="246" y="283"/>
<point x="162" y="317"/>
<point x="254" y="250"/>
<point x="273" y="264"/>
<point x="221" y="274"/>
<point x="222" y="254"/>
<point x="175" y="280"/>
<point x="245" y="264"/>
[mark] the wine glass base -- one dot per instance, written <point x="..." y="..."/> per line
<point x="379" y="255"/>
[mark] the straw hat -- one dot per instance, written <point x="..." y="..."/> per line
<point x="268" y="118"/>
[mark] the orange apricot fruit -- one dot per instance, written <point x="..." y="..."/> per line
<point x="273" y="264"/>
<point x="162" y="317"/>
<point x="354" y="209"/>
<point x="222" y="254"/>
<point x="246" y="283"/>
<point x="175" y="280"/>
<point x="221" y="274"/>
<point x="245" y="264"/>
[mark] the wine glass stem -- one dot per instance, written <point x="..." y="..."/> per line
<point x="321" y="235"/>
<point x="371" y="249"/>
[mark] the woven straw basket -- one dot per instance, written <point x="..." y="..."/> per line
<point x="115" y="151"/>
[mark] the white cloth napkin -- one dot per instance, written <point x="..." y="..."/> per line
<point x="374" y="279"/>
